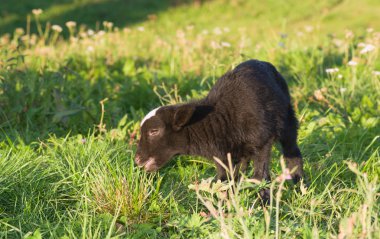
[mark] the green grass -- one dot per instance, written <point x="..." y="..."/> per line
<point x="67" y="166"/>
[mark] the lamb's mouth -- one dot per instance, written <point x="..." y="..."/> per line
<point x="149" y="165"/>
<point x="141" y="165"/>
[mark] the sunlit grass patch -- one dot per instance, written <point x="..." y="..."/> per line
<point x="135" y="197"/>
<point x="66" y="161"/>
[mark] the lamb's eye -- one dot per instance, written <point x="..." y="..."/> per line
<point x="153" y="132"/>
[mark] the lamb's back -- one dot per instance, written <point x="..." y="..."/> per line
<point x="253" y="97"/>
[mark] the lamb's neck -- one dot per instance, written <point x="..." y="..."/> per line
<point x="203" y="137"/>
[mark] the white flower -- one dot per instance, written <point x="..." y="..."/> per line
<point x="352" y="63"/>
<point x="217" y="31"/>
<point x="141" y="29"/>
<point x="319" y="94"/>
<point x="83" y="34"/>
<point x="19" y="31"/>
<point x="309" y="28"/>
<point x="349" y="34"/>
<point x="214" y="45"/>
<point x="101" y="33"/>
<point x="70" y="24"/>
<point x="74" y="39"/>
<point x="190" y="27"/>
<point x="225" y="44"/>
<point x="367" y="48"/>
<point x="332" y="70"/>
<point x="180" y="34"/>
<point x="300" y="34"/>
<point x="56" y="28"/>
<point x="284" y="176"/>
<point x="226" y="29"/>
<point x="338" y="42"/>
<point x="90" y="49"/>
<point x="90" y="32"/>
<point x="376" y="73"/>
<point x="376" y="35"/>
<point x="340" y="76"/>
<point x="205" y="32"/>
<point x="107" y="24"/>
<point x="37" y="11"/>
<point x="342" y="90"/>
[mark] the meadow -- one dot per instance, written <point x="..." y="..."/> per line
<point x="76" y="78"/>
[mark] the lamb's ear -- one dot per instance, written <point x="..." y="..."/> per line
<point x="182" y="116"/>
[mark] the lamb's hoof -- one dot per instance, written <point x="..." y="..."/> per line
<point x="265" y="197"/>
<point x="222" y="179"/>
<point x="296" y="178"/>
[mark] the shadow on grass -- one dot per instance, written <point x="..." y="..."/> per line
<point x="67" y="101"/>
<point x="88" y="12"/>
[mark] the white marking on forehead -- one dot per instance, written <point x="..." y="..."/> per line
<point x="149" y="115"/>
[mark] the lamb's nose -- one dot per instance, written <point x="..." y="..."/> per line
<point x="137" y="159"/>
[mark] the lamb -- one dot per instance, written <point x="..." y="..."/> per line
<point x="245" y="112"/>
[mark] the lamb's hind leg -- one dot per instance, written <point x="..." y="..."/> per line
<point x="221" y="172"/>
<point x="292" y="153"/>
<point x="261" y="168"/>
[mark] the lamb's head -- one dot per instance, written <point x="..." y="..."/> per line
<point x="162" y="136"/>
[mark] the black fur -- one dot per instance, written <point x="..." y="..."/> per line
<point x="246" y="111"/>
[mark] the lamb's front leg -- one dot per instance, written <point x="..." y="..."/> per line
<point x="221" y="171"/>
<point x="261" y="169"/>
<point x="240" y="166"/>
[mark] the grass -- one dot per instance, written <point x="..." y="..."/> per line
<point x="71" y="102"/>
